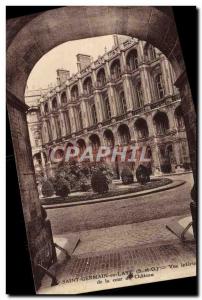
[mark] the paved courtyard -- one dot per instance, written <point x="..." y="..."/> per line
<point x="164" y="204"/>
<point x="124" y="236"/>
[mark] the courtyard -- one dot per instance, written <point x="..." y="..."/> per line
<point x="124" y="236"/>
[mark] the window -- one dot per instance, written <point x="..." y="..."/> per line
<point x="94" y="114"/>
<point x="54" y="104"/>
<point x="123" y="106"/>
<point x="107" y="109"/>
<point x="46" y="108"/>
<point x="159" y="86"/>
<point x="88" y="86"/>
<point x="63" y="98"/>
<point x="139" y="94"/>
<point x="101" y="79"/>
<point x="116" y="70"/>
<point x="161" y="123"/>
<point x="132" y="60"/>
<point x="179" y="118"/>
<point x="74" y="93"/>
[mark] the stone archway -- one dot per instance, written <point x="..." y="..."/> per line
<point x="28" y="40"/>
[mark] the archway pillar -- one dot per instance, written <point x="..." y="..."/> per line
<point x="190" y="125"/>
<point x="37" y="235"/>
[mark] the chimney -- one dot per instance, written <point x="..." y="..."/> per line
<point x="83" y="61"/>
<point x="62" y="76"/>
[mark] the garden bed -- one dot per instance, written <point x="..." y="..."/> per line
<point x="84" y="196"/>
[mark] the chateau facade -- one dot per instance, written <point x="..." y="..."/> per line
<point x="125" y="97"/>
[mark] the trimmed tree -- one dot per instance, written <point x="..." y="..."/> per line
<point x="47" y="189"/>
<point x="127" y="176"/>
<point x="99" y="182"/>
<point x="142" y="174"/>
<point x="62" y="187"/>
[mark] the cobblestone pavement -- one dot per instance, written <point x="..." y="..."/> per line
<point x="136" y="234"/>
<point x="129" y="248"/>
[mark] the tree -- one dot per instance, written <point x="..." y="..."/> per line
<point x="99" y="182"/>
<point x="127" y="176"/>
<point x="142" y="174"/>
<point x="47" y="189"/>
<point x="62" y="188"/>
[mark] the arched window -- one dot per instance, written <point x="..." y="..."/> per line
<point x="124" y="134"/>
<point x="101" y="78"/>
<point x="123" y="106"/>
<point x="46" y="107"/>
<point x="63" y="98"/>
<point x="159" y="86"/>
<point x="179" y="118"/>
<point x="107" y="110"/>
<point x="141" y="128"/>
<point x="74" y="93"/>
<point x="54" y="104"/>
<point x="88" y="86"/>
<point x="115" y="69"/>
<point x="109" y="138"/>
<point x="139" y="93"/>
<point x="93" y="114"/>
<point x="161" y="123"/>
<point x="132" y="60"/>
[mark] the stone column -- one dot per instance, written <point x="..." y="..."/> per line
<point x="85" y="120"/>
<point x="53" y="127"/>
<point x="68" y="94"/>
<point x="146" y="83"/>
<point x="112" y="100"/>
<point x="177" y="153"/>
<point x="62" y="123"/>
<point x="98" y="106"/>
<point x="140" y="49"/>
<point x="156" y="159"/>
<point x="72" y="119"/>
<point x="123" y="61"/>
<point x="151" y="127"/>
<point x="167" y="77"/>
<point x="128" y="92"/>
<point x="171" y="118"/>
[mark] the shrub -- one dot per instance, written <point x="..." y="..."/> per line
<point x="142" y="174"/>
<point x="127" y="176"/>
<point x="62" y="188"/>
<point x="99" y="182"/>
<point x="47" y="189"/>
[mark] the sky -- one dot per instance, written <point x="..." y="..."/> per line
<point x="64" y="56"/>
